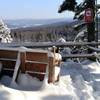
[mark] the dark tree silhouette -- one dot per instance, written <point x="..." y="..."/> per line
<point x="68" y="5"/>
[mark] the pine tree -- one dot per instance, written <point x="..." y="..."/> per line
<point x="67" y="5"/>
<point x="79" y="9"/>
<point x="4" y="33"/>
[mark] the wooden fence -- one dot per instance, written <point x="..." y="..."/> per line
<point x="48" y="44"/>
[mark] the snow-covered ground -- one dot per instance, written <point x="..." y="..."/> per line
<point x="77" y="82"/>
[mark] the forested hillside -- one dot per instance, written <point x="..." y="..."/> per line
<point x="44" y="33"/>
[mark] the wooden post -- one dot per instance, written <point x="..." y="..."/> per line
<point x="51" y="76"/>
<point x="50" y="70"/>
<point x="17" y="69"/>
<point x="23" y="58"/>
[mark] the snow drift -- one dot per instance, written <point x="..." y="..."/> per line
<point x="77" y="82"/>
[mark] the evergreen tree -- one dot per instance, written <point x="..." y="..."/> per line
<point x="4" y="33"/>
<point x="79" y="9"/>
<point x="68" y="5"/>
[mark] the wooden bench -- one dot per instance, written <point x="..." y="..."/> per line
<point x="33" y="62"/>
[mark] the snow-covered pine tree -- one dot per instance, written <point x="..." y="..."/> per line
<point x="5" y="36"/>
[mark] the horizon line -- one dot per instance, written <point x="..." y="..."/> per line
<point x="35" y="18"/>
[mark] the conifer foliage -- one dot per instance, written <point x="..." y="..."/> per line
<point x="5" y="35"/>
<point x="67" y="5"/>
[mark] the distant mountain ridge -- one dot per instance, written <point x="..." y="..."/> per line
<point x="23" y="23"/>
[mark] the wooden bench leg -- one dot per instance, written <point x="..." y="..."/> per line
<point x="51" y="76"/>
<point x="23" y="59"/>
<point x="16" y="70"/>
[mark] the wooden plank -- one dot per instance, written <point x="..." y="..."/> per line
<point x="79" y="55"/>
<point x="36" y="67"/>
<point x="23" y="59"/>
<point x="37" y="56"/>
<point x="8" y="54"/>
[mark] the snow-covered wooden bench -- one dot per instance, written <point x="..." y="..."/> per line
<point x="33" y="62"/>
<point x="29" y="61"/>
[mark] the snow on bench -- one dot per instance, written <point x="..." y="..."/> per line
<point x="31" y="61"/>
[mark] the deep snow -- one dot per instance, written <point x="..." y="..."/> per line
<point x="77" y="82"/>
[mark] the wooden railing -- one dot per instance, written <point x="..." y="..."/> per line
<point x="48" y="44"/>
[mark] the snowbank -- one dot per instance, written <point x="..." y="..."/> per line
<point x="77" y="82"/>
<point x="26" y="82"/>
<point x="84" y="79"/>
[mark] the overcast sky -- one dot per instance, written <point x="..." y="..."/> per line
<point x="34" y="9"/>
